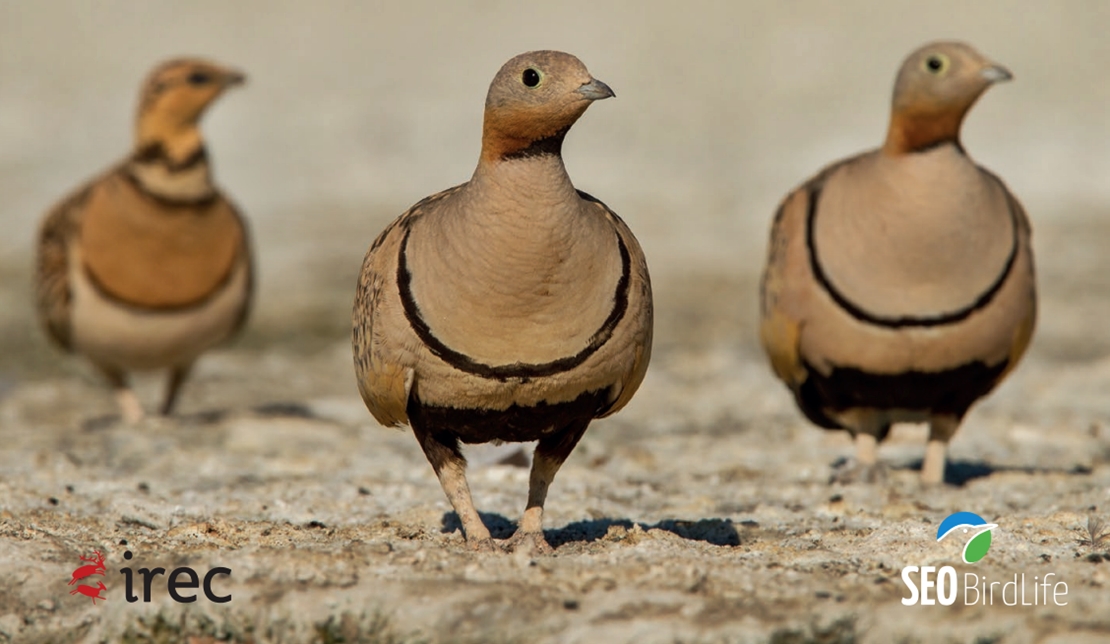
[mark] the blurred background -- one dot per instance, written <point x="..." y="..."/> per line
<point x="355" y="110"/>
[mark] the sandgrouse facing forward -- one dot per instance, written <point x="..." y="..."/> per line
<point x="148" y="265"/>
<point x="899" y="283"/>
<point x="510" y="308"/>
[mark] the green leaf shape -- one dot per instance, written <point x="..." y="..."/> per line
<point x="977" y="547"/>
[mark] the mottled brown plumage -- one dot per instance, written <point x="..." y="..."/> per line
<point x="511" y="307"/>
<point x="899" y="283"/>
<point x="148" y="265"/>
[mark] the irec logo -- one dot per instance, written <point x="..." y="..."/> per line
<point x="181" y="578"/>
<point x="978" y="545"/>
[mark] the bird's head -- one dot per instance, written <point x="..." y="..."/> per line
<point x="532" y="102"/>
<point x="935" y="87"/>
<point x="175" y="96"/>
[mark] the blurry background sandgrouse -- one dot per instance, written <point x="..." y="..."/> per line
<point x="148" y="265"/>
<point x="510" y="308"/>
<point x="899" y="283"/>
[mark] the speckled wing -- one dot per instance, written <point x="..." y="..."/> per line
<point x="1024" y="333"/>
<point x="248" y="258"/>
<point x="787" y="282"/>
<point x="638" y="325"/>
<point x="786" y="289"/>
<point x="53" y="296"/>
<point x="385" y="350"/>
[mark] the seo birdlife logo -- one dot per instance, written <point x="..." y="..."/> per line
<point x="922" y="581"/>
<point x="979" y="544"/>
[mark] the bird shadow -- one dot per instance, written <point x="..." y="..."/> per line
<point x="284" y="409"/>
<point x="100" y="423"/>
<point x="960" y="473"/>
<point x="209" y="416"/>
<point x="109" y="421"/>
<point x="718" y="532"/>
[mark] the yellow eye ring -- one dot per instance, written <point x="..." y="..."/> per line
<point x="531" y="77"/>
<point x="936" y="64"/>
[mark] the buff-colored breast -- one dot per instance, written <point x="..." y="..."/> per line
<point x="157" y="256"/>
<point x="913" y="236"/>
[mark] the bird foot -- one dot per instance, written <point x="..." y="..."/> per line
<point x="849" y="471"/>
<point x="482" y="545"/>
<point x="531" y="543"/>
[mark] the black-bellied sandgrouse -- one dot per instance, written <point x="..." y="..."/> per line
<point x="899" y="284"/>
<point x="510" y="308"/>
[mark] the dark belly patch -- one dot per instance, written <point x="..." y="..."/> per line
<point x="952" y="391"/>
<point x="515" y="424"/>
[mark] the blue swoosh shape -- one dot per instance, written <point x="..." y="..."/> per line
<point x="958" y="520"/>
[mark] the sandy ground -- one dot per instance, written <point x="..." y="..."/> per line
<point x="701" y="513"/>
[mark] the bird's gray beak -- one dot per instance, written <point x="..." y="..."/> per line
<point x="996" y="74"/>
<point x="234" y="77"/>
<point x="595" y="90"/>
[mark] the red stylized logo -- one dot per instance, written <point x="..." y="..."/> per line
<point x="95" y="567"/>
<point x="89" y="591"/>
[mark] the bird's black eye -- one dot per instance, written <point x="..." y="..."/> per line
<point x="934" y="64"/>
<point x="530" y="77"/>
<point x="199" y="78"/>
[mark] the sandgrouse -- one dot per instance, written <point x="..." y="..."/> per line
<point x="899" y="283"/>
<point x="148" y="265"/>
<point x="509" y="308"/>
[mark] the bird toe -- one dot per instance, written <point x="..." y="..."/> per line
<point x="531" y="543"/>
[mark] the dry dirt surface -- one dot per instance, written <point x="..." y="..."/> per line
<point x="704" y="513"/>
<point x="701" y="513"/>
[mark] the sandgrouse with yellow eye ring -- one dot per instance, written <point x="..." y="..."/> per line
<point x="148" y="265"/>
<point x="512" y="307"/>
<point x="899" y="284"/>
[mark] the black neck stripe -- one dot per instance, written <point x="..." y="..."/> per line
<point x="465" y="363"/>
<point x="550" y="145"/>
<point x="939" y="143"/>
<point x="861" y="314"/>
<point x="157" y="153"/>
<point x="166" y="200"/>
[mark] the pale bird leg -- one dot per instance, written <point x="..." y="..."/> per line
<point x="866" y="468"/>
<point x="551" y="452"/>
<point x="129" y="406"/>
<point x="932" y="470"/>
<point x="442" y="451"/>
<point x="173" y="386"/>
<point x="867" y="449"/>
<point x="941" y="429"/>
